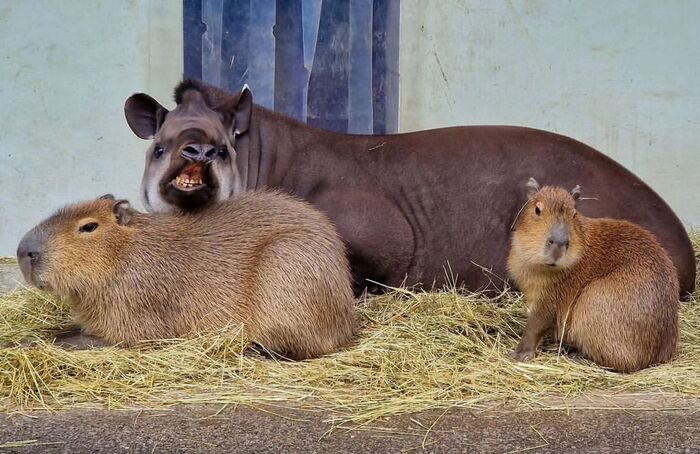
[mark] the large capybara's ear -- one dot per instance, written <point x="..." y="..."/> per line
<point x="106" y="197"/>
<point x="122" y="211"/>
<point x="144" y="115"/>
<point x="532" y="186"/>
<point x="576" y="192"/>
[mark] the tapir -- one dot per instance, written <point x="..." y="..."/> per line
<point x="424" y="208"/>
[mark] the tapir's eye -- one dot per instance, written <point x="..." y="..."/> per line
<point x="222" y="152"/>
<point x="158" y="152"/>
<point x="538" y="211"/>
<point x="89" y="227"/>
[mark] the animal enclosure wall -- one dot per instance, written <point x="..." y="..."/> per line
<point x="66" y="68"/>
<point x="620" y="76"/>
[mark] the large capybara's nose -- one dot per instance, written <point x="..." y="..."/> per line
<point x="29" y="254"/>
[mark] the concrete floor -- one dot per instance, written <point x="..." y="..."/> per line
<point x="243" y="430"/>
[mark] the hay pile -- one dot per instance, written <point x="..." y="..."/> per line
<point x="417" y="351"/>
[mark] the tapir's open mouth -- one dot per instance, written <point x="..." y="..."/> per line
<point x="190" y="187"/>
<point x="191" y="178"/>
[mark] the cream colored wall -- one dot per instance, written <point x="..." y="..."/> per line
<point x="621" y="76"/>
<point x="66" y="68"/>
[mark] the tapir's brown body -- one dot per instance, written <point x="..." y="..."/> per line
<point x="263" y="259"/>
<point x="407" y="205"/>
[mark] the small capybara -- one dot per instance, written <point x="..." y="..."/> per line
<point x="605" y="285"/>
<point x="264" y="259"/>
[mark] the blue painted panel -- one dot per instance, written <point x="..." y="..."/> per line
<point x="235" y="48"/>
<point x="333" y="64"/>
<point x="193" y="29"/>
<point x="290" y="74"/>
<point x="261" y="59"/>
<point x="328" y="84"/>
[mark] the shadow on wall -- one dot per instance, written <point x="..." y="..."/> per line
<point x="332" y="64"/>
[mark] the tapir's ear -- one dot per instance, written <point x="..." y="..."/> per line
<point x="144" y="115"/>
<point x="241" y="108"/>
<point x="576" y="192"/>
<point x="106" y="197"/>
<point x="532" y="186"/>
<point x="122" y="211"/>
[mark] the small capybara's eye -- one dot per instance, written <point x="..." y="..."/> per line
<point x="158" y="152"/>
<point x="538" y="211"/>
<point x="89" y="227"/>
<point x="222" y="152"/>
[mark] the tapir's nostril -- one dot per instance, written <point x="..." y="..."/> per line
<point x="210" y="153"/>
<point x="191" y="152"/>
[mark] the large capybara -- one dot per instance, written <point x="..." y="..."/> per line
<point x="605" y="285"/>
<point x="264" y="259"/>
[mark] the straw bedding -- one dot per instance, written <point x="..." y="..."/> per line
<point x="416" y="351"/>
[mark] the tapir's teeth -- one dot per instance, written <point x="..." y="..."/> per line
<point x="186" y="182"/>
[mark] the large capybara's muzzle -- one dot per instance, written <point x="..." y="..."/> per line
<point x="29" y="254"/>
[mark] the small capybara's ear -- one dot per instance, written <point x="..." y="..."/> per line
<point x="532" y="186"/>
<point x="576" y="192"/>
<point x="106" y="197"/>
<point x="122" y="211"/>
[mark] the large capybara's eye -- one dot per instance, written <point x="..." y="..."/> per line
<point x="538" y="211"/>
<point x="89" y="227"/>
<point x="158" y="152"/>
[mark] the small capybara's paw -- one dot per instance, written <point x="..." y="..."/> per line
<point x="522" y="356"/>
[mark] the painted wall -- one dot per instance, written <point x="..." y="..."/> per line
<point x="621" y="76"/>
<point x="65" y="70"/>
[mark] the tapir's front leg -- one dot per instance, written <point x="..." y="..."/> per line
<point x="380" y="241"/>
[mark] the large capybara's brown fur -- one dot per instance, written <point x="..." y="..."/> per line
<point x="263" y="259"/>
<point x="606" y="285"/>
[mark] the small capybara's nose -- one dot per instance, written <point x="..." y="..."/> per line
<point x="559" y="237"/>
<point x="559" y="242"/>
<point x="28" y="254"/>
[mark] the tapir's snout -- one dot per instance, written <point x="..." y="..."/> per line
<point x="29" y="253"/>
<point x="198" y="152"/>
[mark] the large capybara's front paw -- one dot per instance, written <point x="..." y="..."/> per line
<point x="77" y="340"/>
<point x="521" y="355"/>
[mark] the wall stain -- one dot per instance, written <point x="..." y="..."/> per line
<point x="668" y="95"/>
